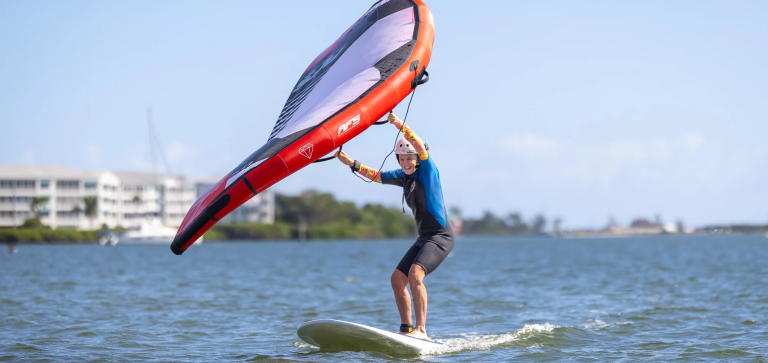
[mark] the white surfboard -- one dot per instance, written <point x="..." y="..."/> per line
<point x="329" y="334"/>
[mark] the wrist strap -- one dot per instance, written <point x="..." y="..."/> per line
<point x="355" y="167"/>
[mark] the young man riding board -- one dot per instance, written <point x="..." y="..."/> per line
<point x="422" y="191"/>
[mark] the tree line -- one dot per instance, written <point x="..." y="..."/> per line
<point x="317" y="215"/>
<point x="513" y="223"/>
<point x="311" y="215"/>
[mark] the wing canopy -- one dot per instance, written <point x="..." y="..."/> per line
<point x="357" y="79"/>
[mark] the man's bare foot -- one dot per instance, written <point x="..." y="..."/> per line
<point x="419" y="334"/>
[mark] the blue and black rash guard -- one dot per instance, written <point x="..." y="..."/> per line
<point x="422" y="191"/>
<point x="424" y="195"/>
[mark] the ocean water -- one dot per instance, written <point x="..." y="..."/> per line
<point x="494" y="299"/>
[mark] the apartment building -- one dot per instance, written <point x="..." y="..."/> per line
<point x="124" y="199"/>
<point x="260" y="208"/>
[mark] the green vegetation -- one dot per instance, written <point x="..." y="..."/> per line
<point x="241" y="231"/>
<point x="738" y="228"/>
<point x="324" y="218"/>
<point x="33" y="223"/>
<point x="489" y="223"/>
<point x="34" y="231"/>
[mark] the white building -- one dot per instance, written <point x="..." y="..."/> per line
<point x="124" y="199"/>
<point x="150" y="197"/>
<point x="260" y="208"/>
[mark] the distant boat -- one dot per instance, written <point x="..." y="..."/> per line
<point x="108" y="238"/>
<point x="149" y="234"/>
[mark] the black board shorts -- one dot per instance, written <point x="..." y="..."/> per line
<point x="427" y="253"/>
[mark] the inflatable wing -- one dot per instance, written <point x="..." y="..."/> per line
<point x="354" y="82"/>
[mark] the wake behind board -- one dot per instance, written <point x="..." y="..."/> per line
<point x="329" y="334"/>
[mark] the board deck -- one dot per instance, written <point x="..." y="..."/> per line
<point x="337" y="335"/>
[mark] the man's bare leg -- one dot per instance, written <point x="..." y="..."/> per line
<point x="415" y="277"/>
<point x="402" y="297"/>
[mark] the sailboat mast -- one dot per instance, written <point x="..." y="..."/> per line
<point x="153" y="149"/>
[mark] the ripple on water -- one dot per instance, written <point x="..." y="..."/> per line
<point x="656" y="345"/>
<point x="726" y="353"/>
<point x="68" y="330"/>
<point x="10" y="302"/>
<point x="23" y="348"/>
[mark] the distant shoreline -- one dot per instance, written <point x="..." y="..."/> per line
<point x="406" y="239"/>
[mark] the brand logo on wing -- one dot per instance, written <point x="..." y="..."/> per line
<point x="349" y="125"/>
<point x="306" y="150"/>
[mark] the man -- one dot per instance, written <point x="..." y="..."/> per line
<point x="422" y="191"/>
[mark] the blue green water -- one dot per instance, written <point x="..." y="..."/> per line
<point x="493" y="299"/>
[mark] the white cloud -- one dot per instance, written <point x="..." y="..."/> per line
<point x="530" y="146"/>
<point x="549" y="163"/>
<point x="633" y="151"/>
<point x="692" y="142"/>
<point x="137" y="158"/>
<point x="537" y="148"/>
<point x="93" y="154"/>
<point x="178" y="151"/>
<point x="686" y="176"/>
<point x="182" y="158"/>
<point x="28" y="157"/>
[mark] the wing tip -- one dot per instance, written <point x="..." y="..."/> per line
<point x="176" y="247"/>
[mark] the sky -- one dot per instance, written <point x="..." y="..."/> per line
<point x="575" y="110"/>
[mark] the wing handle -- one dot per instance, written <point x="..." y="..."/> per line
<point x="421" y="78"/>
<point x="382" y="121"/>
<point x="328" y="158"/>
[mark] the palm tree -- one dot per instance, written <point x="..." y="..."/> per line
<point x="91" y="207"/>
<point x="36" y="205"/>
<point x="136" y="203"/>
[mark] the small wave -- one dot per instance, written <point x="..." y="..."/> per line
<point x="600" y="324"/>
<point x="726" y="353"/>
<point x="489" y="341"/>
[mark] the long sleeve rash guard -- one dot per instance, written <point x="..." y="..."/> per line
<point x="421" y="190"/>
